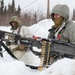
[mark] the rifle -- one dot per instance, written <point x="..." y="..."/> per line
<point x="56" y="46"/>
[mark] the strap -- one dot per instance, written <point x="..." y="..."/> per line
<point x="19" y="29"/>
<point x="58" y="30"/>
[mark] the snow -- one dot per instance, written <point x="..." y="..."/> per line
<point x="41" y="29"/>
<point x="9" y="66"/>
<point x="61" y="67"/>
<point x="30" y="59"/>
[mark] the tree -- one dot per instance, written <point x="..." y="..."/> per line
<point x="19" y="10"/>
<point x="13" y="6"/>
<point x="2" y="7"/>
<point x="9" y="9"/>
<point x="35" y="17"/>
<point x="5" y="10"/>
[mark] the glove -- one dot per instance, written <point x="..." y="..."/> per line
<point x="22" y="47"/>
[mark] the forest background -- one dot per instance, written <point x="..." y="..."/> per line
<point x="27" y="18"/>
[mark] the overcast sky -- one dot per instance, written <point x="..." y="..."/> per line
<point x="40" y="4"/>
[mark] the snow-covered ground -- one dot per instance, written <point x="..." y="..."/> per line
<point x="9" y="66"/>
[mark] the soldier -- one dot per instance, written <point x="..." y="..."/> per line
<point x="18" y="28"/>
<point x="63" y="28"/>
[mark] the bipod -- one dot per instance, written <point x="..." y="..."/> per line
<point x="6" y="48"/>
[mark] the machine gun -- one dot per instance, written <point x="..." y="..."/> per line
<point x="49" y="47"/>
